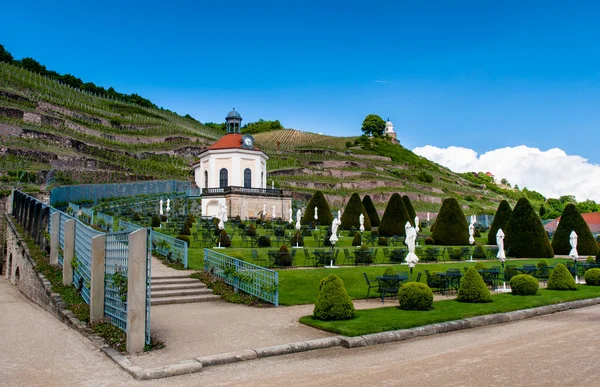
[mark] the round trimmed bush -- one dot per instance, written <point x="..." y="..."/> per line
<point x="383" y="241"/>
<point x="163" y="218"/>
<point x="184" y="238"/>
<point x="185" y="230"/>
<point x="472" y="288"/>
<point x="251" y="230"/>
<point x="415" y="296"/>
<point x="451" y="227"/>
<point x="333" y="302"/>
<point x="477" y="233"/>
<point x="429" y="241"/>
<point x="284" y="258"/>
<point x="590" y="260"/>
<point x="236" y="255"/>
<point x="561" y="279"/>
<point x="389" y="271"/>
<point x="479" y="266"/>
<point x="500" y="219"/>
<point x="136" y="217"/>
<point x="357" y="240"/>
<point x="592" y="277"/>
<point x="524" y="285"/>
<point x="479" y="252"/>
<point x="542" y="263"/>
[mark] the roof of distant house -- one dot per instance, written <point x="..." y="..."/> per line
<point x="591" y="218"/>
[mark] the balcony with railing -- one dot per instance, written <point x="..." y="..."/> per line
<point x="244" y="191"/>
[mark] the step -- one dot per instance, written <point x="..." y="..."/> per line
<point x="184" y="300"/>
<point x="198" y="285"/>
<point x="168" y="281"/>
<point x="178" y="293"/>
<point x="162" y="277"/>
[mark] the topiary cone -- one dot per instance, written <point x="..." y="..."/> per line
<point x="371" y="211"/>
<point x="451" y="227"/>
<point x="333" y="302"/>
<point x="571" y="220"/>
<point x="323" y="211"/>
<point x="352" y="212"/>
<point x="525" y="235"/>
<point x="500" y="219"/>
<point x="410" y="209"/>
<point x="394" y="218"/>
<point x="473" y="289"/>
<point x="561" y="279"/>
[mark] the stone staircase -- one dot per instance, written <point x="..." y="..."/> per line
<point x="179" y="289"/>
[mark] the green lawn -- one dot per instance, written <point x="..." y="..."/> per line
<point x="392" y="318"/>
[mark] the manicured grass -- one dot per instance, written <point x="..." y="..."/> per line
<point x="392" y="318"/>
<point x="302" y="286"/>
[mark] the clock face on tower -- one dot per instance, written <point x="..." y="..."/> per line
<point x="247" y="142"/>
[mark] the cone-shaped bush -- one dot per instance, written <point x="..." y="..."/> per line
<point x="415" y="296"/>
<point x="352" y="212"/>
<point x="394" y="218"/>
<point x="357" y="240"/>
<point x="571" y="220"/>
<point x="524" y="285"/>
<point x="410" y="209"/>
<point x="155" y="221"/>
<point x="371" y="211"/>
<point x="525" y="235"/>
<point x="185" y="230"/>
<point x="472" y="288"/>
<point x="479" y="252"/>
<point x="224" y="239"/>
<point x="451" y="227"/>
<point x="561" y="279"/>
<point x="284" y="258"/>
<point x="500" y="219"/>
<point x="333" y="302"/>
<point x="389" y="271"/>
<point x="323" y="211"/>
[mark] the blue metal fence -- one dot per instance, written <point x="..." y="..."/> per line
<point x="104" y="221"/>
<point x="171" y="248"/>
<point x="82" y="260"/>
<point x="128" y="226"/>
<point x="87" y="215"/>
<point x="73" y="209"/>
<point x="258" y="281"/>
<point x="117" y="252"/>
<point x="95" y="192"/>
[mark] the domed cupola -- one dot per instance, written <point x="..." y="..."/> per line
<point x="233" y="122"/>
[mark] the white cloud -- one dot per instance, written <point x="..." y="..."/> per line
<point x="552" y="173"/>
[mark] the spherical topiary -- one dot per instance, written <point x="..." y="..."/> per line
<point x="184" y="238"/>
<point x="451" y="227"/>
<point x="371" y="211"/>
<point x="410" y="209"/>
<point x="415" y="296"/>
<point x="333" y="302"/>
<point x="383" y="241"/>
<point x="524" y="285"/>
<point x="590" y="260"/>
<point x="357" y="240"/>
<point x="155" y="221"/>
<point x="592" y="277"/>
<point x="352" y="212"/>
<point x="163" y="218"/>
<point x="571" y="220"/>
<point x="264" y="241"/>
<point x="500" y="219"/>
<point x="525" y="235"/>
<point x="561" y="279"/>
<point x="297" y="240"/>
<point x="224" y="239"/>
<point x="284" y="258"/>
<point x="389" y="271"/>
<point x="394" y="218"/>
<point x="429" y="241"/>
<point x="323" y="211"/>
<point x="479" y="252"/>
<point x="472" y="288"/>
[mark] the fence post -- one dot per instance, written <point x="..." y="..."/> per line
<point x="9" y="202"/>
<point x="55" y="222"/>
<point x="97" y="277"/>
<point x="136" y="290"/>
<point x="68" y="251"/>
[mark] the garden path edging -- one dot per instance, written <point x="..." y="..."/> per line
<point x="197" y="364"/>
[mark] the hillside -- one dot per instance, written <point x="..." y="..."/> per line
<point x="53" y="134"/>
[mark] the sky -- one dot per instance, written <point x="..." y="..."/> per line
<point x="477" y="75"/>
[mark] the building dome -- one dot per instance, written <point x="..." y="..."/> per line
<point x="389" y="127"/>
<point x="233" y="114"/>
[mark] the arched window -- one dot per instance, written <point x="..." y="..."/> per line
<point x="205" y="179"/>
<point x="223" y="178"/>
<point x="247" y="178"/>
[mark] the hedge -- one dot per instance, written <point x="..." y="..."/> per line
<point x="571" y="220"/>
<point x="394" y="217"/>
<point x="323" y="211"/>
<point x="500" y="219"/>
<point x="351" y="214"/>
<point x="371" y="211"/>
<point x="525" y="236"/>
<point x="451" y="227"/>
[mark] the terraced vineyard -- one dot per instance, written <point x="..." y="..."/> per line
<point x="293" y="139"/>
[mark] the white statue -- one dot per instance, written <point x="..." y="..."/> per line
<point x="428" y="220"/>
<point x="573" y="241"/>
<point x="160" y="208"/>
<point x="298" y="216"/>
<point x="264" y="213"/>
<point x="410" y="240"/>
<point x="471" y="234"/>
<point x="334" y="228"/>
<point x="224" y="209"/>
<point x="361" y="221"/>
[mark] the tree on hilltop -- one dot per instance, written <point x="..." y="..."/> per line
<point x="373" y="125"/>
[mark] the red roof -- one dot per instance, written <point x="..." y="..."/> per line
<point x="229" y="141"/>
<point x="591" y="218"/>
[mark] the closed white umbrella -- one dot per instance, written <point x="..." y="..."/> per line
<point x="298" y="216"/>
<point x="500" y="242"/>
<point x="160" y="208"/>
<point x="573" y="253"/>
<point x="361" y="221"/>
<point x="291" y="216"/>
<point x="168" y="205"/>
<point x="411" y="238"/>
<point x="264" y="213"/>
<point x="471" y="234"/>
<point x="428" y="219"/>
<point x="339" y="215"/>
<point x="316" y="213"/>
<point x="417" y="229"/>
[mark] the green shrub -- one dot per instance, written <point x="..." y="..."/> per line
<point x="571" y="220"/>
<point x="542" y="263"/>
<point x="251" y="230"/>
<point x="477" y="233"/>
<point x="561" y="279"/>
<point x="371" y="211"/>
<point x="472" y="288"/>
<point x="333" y="302"/>
<point x="323" y="211"/>
<point x="479" y="266"/>
<point x="590" y="260"/>
<point x="185" y="230"/>
<point x="374" y="233"/>
<point x="224" y="239"/>
<point x="136" y="217"/>
<point x="425" y="177"/>
<point x="389" y="271"/>
<point x="394" y="218"/>
<point x="184" y="238"/>
<point x="264" y="241"/>
<point x="525" y="235"/>
<point x="500" y="219"/>
<point x="357" y="240"/>
<point x="163" y="218"/>
<point x="451" y="227"/>
<point x="365" y="259"/>
<point x="592" y="277"/>
<point x="236" y="255"/>
<point x="479" y="252"/>
<point x="383" y="241"/>
<point x="352" y="212"/>
<point x="429" y="241"/>
<point x="415" y="296"/>
<point x="297" y="240"/>
<point x="284" y="258"/>
<point x="409" y="208"/>
<point x="155" y="221"/>
<point x="524" y="285"/>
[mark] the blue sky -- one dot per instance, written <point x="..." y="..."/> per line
<point x="476" y="74"/>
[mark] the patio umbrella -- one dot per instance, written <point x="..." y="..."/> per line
<point x="273" y="212"/>
<point x="411" y="238"/>
<point x="264" y="213"/>
<point x="168" y="205"/>
<point x="334" y="228"/>
<point x="471" y="233"/>
<point x="500" y="242"/>
<point x="573" y="253"/>
<point x="428" y="220"/>
<point x="160" y="209"/>
<point x="298" y="216"/>
<point x="361" y="221"/>
<point x="417" y="229"/>
<point x="339" y="215"/>
<point x="291" y="216"/>
<point x="316" y="213"/>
